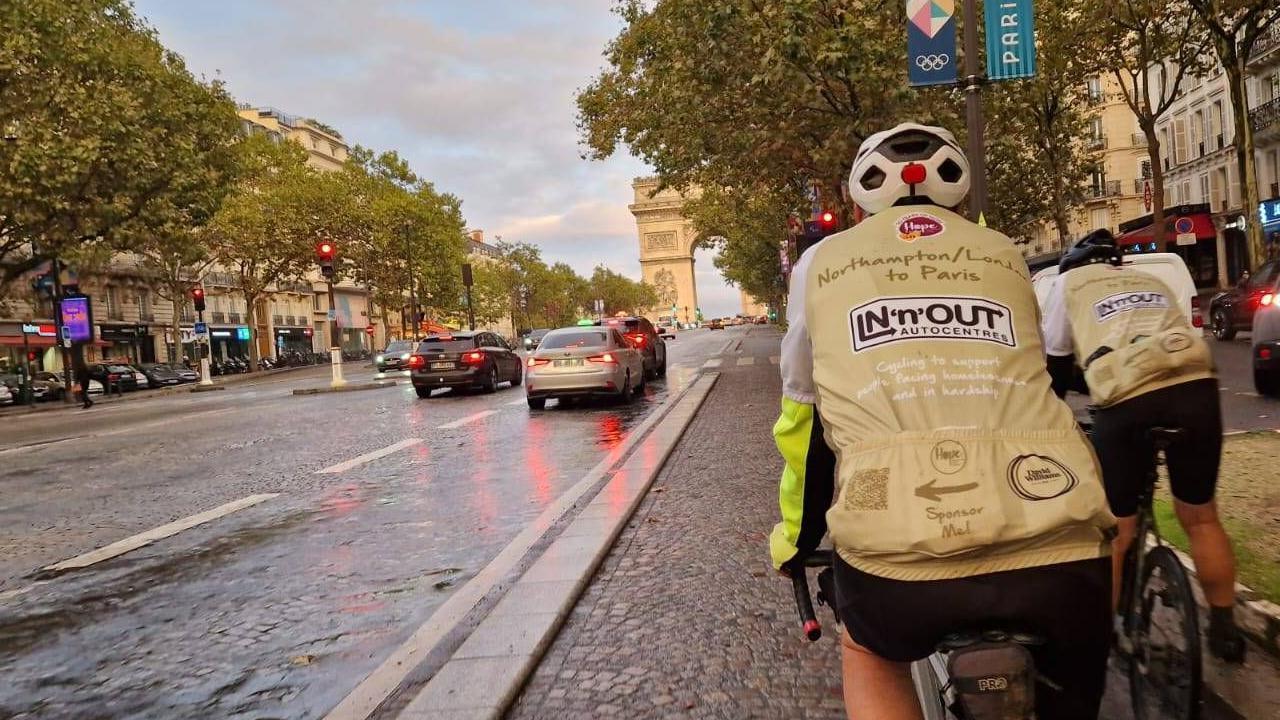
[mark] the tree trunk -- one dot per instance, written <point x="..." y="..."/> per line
<point x="1060" y="212"/>
<point x="175" y="328"/>
<point x="1244" y="154"/>
<point x="254" y="306"/>
<point x="1157" y="185"/>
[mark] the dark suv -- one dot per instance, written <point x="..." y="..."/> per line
<point x="644" y="337"/>
<point x="463" y="360"/>
<point x="114" y="376"/>
<point x="1232" y="311"/>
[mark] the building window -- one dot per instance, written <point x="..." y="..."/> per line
<point x="1094" y="88"/>
<point x="1144" y="169"/>
<point x="112" y="299"/>
<point x="1186" y="192"/>
<point x="1099" y="218"/>
<point x="315" y="144"/>
<point x="1204" y="188"/>
<point x="1197" y="133"/>
<point x="144" y="307"/>
<point x="1218" y="127"/>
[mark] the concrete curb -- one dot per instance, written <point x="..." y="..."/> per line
<point x="509" y="642"/>
<point x="207" y="388"/>
<point x="349" y="387"/>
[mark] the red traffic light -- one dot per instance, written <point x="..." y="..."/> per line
<point x="197" y="292"/>
<point x="828" y="217"/>
<point x="325" y="250"/>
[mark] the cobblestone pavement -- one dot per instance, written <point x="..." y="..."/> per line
<point x="685" y="618"/>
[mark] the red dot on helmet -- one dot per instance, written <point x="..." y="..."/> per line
<point x="913" y="174"/>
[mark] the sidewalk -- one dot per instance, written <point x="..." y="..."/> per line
<point x="685" y="618"/>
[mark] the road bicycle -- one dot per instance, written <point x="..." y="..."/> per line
<point x="986" y="674"/>
<point x="1160" y="634"/>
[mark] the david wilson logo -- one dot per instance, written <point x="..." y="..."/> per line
<point x="1039" y="477"/>
<point x="1113" y="305"/>
<point x="943" y="317"/>
<point x="919" y="225"/>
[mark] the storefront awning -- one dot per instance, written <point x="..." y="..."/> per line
<point x="37" y="341"/>
<point x="1200" y="224"/>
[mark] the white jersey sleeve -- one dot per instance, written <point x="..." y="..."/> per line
<point x="1055" y="324"/>
<point x="797" y="350"/>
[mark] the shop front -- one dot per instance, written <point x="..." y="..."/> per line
<point x="17" y="339"/>
<point x="1191" y="233"/>
<point x="127" y="342"/>
<point x="229" y="341"/>
<point x="1269" y="215"/>
<point x="293" y="339"/>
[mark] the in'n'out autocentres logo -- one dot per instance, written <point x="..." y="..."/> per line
<point x="917" y="225"/>
<point x="1112" y="305"/>
<point x="940" y="317"/>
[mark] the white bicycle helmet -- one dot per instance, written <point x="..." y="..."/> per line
<point x="910" y="164"/>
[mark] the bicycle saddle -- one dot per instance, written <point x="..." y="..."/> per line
<point x="955" y="641"/>
<point x="1166" y="435"/>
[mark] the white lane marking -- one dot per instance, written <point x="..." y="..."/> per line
<point x="521" y="401"/>
<point x="746" y="361"/>
<point x="378" y="685"/>
<point x="368" y="457"/>
<point x="1249" y="394"/>
<point x="1224" y="389"/>
<point x="775" y="359"/>
<point x="467" y="420"/>
<point x="712" y="363"/>
<point x="134" y="542"/>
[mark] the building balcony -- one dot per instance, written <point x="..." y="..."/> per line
<point x="1266" y="49"/>
<point x="1138" y="140"/>
<point x="146" y="316"/>
<point x="1266" y="117"/>
<point x="1140" y="185"/>
<point x="235" y="318"/>
<point x="220" y="279"/>
<point x="1110" y="188"/>
<point x="217" y="317"/>
<point x="1096" y="143"/>
<point x="277" y="319"/>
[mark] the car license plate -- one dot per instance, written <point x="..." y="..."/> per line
<point x="571" y="362"/>
<point x="441" y="366"/>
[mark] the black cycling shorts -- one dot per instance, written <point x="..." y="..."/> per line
<point x="1069" y="605"/>
<point x="1127" y="457"/>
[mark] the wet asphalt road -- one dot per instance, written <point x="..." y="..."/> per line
<point x="280" y="609"/>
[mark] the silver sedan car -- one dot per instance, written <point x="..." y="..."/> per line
<point x="583" y="361"/>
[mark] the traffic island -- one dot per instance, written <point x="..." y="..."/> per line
<point x="348" y="387"/>
<point x="207" y="388"/>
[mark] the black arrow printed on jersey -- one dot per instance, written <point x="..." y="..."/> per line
<point x="933" y="492"/>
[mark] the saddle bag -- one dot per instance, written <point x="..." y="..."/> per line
<point x="993" y="681"/>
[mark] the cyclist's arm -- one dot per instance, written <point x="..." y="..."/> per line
<point x="1058" y="343"/>
<point x="808" y="477"/>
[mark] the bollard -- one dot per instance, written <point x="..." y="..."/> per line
<point x="335" y="359"/>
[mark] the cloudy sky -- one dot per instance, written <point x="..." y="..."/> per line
<point x="477" y="95"/>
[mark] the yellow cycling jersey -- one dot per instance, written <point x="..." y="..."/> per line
<point x="923" y="355"/>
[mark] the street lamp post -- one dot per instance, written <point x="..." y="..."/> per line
<point x="973" y="109"/>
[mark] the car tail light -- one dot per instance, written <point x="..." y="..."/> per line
<point x="475" y="357"/>
<point x="1264" y="353"/>
<point x="1268" y="299"/>
<point x="606" y="358"/>
<point x="1197" y="317"/>
<point x="637" y="338"/>
<point x="535" y="362"/>
<point x="416" y="361"/>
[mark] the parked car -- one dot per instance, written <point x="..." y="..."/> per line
<point x="582" y="361"/>
<point x="113" y="375"/>
<point x="644" y="337"/>
<point x="54" y="380"/>
<point x="395" y="357"/>
<point x="6" y="395"/>
<point x="39" y="390"/>
<point x="140" y="378"/>
<point x="184" y="373"/>
<point x="1233" y="310"/>
<point x="1266" y="341"/>
<point x="159" y="375"/>
<point x="1169" y="267"/>
<point x="715" y="324"/>
<point x="463" y="360"/>
<point x="534" y="337"/>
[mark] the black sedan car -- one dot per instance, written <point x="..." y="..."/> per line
<point x="463" y="360"/>
<point x="114" y="376"/>
<point x="1233" y="310"/>
<point x="395" y="357"/>
<point x="644" y="337"/>
<point x="159" y="375"/>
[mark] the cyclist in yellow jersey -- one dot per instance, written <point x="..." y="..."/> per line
<point x="919" y="428"/>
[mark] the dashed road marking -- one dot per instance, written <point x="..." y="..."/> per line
<point x="521" y="401"/>
<point x="134" y="542"/>
<point x="467" y="420"/>
<point x="368" y="457"/>
<point x="1248" y="394"/>
<point x="746" y="361"/>
<point x="775" y="359"/>
<point x="712" y="363"/>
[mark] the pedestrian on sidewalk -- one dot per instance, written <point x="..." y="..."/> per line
<point x="919" y="427"/>
<point x="81" y="370"/>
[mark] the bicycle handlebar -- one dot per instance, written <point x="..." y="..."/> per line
<point x="804" y="601"/>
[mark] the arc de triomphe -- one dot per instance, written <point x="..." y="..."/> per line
<point x="667" y="240"/>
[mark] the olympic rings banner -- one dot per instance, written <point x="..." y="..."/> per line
<point x="1011" y="39"/>
<point x="931" y="42"/>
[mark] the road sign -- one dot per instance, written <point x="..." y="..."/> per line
<point x="1184" y="225"/>
<point x="1186" y="238"/>
<point x="368" y="329"/>
<point x="1011" y="43"/>
<point x="931" y="42"/>
<point x="201" y="328"/>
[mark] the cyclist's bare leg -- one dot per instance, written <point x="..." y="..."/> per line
<point x="1126" y="528"/>
<point x="1211" y="551"/>
<point x="875" y="688"/>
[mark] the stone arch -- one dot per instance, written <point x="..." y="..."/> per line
<point x="667" y="241"/>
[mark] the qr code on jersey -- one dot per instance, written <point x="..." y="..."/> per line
<point x="869" y="490"/>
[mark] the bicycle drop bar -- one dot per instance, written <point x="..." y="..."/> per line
<point x="804" y="601"/>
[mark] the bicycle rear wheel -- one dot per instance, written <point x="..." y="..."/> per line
<point x="1164" y="672"/>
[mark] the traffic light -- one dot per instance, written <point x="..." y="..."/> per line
<point x="197" y="298"/>
<point x="325" y="251"/>
<point x="32" y="355"/>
